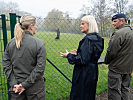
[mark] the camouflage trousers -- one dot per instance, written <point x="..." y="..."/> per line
<point x="118" y="86"/>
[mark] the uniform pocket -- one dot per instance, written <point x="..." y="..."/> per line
<point x="114" y="83"/>
<point x="114" y="80"/>
<point x="38" y="95"/>
<point x="37" y="87"/>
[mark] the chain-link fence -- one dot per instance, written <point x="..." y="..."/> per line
<point x="5" y="37"/>
<point x="70" y="35"/>
<point x="3" y="83"/>
<point x="58" y="35"/>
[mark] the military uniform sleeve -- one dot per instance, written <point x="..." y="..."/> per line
<point x="7" y="68"/>
<point x="38" y="72"/>
<point x="113" y="48"/>
<point x="83" y="56"/>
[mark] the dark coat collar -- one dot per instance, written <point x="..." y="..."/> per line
<point x="92" y="36"/>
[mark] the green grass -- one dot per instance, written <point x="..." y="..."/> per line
<point x="56" y="85"/>
<point x="3" y="86"/>
<point x="60" y="86"/>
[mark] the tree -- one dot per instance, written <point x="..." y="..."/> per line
<point x="101" y="10"/>
<point x="120" y="6"/>
<point x="52" y="20"/>
<point x="55" y="20"/>
<point x="12" y="7"/>
<point x="2" y="7"/>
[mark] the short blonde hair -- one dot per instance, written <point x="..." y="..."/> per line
<point x="92" y="23"/>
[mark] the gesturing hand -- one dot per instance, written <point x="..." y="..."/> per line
<point x="64" y="55"/>
<point x="73" y="52"/>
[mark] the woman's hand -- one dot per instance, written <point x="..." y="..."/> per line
<point x="64" y="55"/>
<point x="73" y="52"/>
<point x="18" y="89"/>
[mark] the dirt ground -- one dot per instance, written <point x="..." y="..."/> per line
<point x="103" y="96"/>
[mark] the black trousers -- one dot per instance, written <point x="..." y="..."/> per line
<point x="35" y="92"/>
<point x="118" y="86"/>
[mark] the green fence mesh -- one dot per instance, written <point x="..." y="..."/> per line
<point x="58" y="35"/>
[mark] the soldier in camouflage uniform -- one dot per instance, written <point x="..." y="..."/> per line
<point x="120" y="59"/>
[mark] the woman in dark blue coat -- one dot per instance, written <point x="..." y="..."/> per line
<point x="85" y="58"/>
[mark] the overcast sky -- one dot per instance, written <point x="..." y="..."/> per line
<point x="42" y="7"/>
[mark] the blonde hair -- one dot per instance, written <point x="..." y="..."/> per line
<point x="92" y="23"/>
<point x="25" y="21"/>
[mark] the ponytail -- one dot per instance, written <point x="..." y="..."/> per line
<point x="21" y="27"/>
<point x="18" y="33"/>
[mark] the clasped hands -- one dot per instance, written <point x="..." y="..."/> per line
<point x="18" y="88"/>
<point x="64" y="55"/>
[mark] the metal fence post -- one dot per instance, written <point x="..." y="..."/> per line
<point x="18" y="17"/>
<point x="12" y="23"/>
<point x="3" y="17"/>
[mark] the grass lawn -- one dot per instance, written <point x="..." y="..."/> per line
<point x="57" y="86"/>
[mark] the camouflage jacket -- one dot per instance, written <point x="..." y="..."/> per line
<point x="120" y="51"/>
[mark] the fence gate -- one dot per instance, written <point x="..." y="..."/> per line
<point x="3" y="42"/>
<point x="6" y="33"/>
